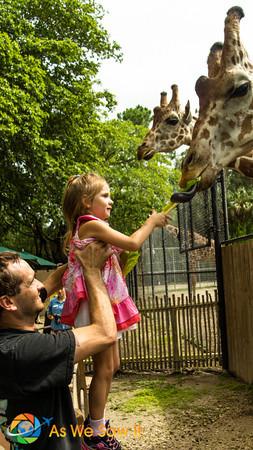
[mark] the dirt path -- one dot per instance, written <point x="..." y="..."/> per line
<point x="204" y="411"/>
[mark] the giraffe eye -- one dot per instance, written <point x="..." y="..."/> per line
<point x="188" y="159"/>
<point x="240" y="91"/>
<point x="171" y="121"/>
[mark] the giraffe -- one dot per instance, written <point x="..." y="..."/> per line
<point x="224" y="128"/>
<point x="172" y="127"/>
<point x="195" y="256"/>
<point x="170" y="130"/>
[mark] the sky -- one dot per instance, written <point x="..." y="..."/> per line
<point x="164" y="42"/>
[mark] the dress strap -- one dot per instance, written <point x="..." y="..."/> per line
<point x="85" y="218"/>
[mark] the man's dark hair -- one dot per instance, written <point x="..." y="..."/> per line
<point x="9" y="283"/>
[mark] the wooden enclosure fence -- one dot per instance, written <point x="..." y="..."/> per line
<point x="174" y="333"/>
<point x="237" y="260"/>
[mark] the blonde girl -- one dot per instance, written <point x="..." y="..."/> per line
<point x="87" y="206"/>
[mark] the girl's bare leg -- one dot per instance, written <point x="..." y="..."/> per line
<point x="101" y="382"/>
<point x="116" y="361"/>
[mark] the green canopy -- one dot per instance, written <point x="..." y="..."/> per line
<point x="35" y="261"/>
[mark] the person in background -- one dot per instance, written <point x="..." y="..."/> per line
<point x="54" y="312"/>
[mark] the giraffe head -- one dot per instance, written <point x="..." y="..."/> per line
<point x="224" y="129"/>
<point x="171" y="127"/>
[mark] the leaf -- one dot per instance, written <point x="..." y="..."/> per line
<point x="129" y="261"/>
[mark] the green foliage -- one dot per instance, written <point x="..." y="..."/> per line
<point x="51" y="128"/>
<point x="49" y="111"/>
<point x="240" y="204"/>
<point x="138" y="115"/>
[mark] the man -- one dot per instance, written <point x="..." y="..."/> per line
<point x="36" y="368"/>
<point x="54" y="312"/>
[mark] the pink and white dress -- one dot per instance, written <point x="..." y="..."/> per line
<point x="76" y="310"/>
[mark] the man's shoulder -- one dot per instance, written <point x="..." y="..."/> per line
<point x="12" y="333"/>
<point x="21" y="347"/>
<point x="9" y="338"/>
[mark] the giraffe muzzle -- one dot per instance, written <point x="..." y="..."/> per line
<point x="144" y="153"/>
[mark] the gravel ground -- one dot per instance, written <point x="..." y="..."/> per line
<point x="210" y="411"/>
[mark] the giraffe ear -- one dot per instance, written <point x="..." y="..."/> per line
<point x="157" y="116"/>
<point x="202" y="87"/>
<point x="187" y="114"/>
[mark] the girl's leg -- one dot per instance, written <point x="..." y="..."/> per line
<point x="116" y="361"/>
<point x="116" y="358"/>
<point x="105" y="364"/>
<point x="101" y="382"/>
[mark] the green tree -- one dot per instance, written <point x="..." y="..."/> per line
<point x="49" y="110"/>
<point x="51" y="124"/>
<point x="240" y="204"/>
<point x="138" y="115"/>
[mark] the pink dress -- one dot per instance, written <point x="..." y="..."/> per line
<point x="76" y="310"/>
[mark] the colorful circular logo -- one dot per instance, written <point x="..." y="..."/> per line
<point x="25" y="429"/>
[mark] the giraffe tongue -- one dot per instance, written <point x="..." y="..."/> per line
<point x="183" y="197"/>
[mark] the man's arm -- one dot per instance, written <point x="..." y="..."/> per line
<point x="102" y="332"/>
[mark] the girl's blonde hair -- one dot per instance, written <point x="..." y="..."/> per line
<point x="79" y="187"/>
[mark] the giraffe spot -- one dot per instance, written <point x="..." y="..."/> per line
<point x="246" y="65"/>
<point x="205" y="134"/>
<point x="231" y="123"/>
<point x="224" y="136"/>
<point x="241" y="54"/>
<point x="171" y="143"/>
<point x="214" y="106"/>
<point x="246" y="127"/>
<point x="233" y="60"/>
<point x="213" y="121"/>
<point x="230" y="144"/>
<point x="234" y="42"/>
<point x="174" y="135"/>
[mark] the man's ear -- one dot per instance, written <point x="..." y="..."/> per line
<point x="7" y="303"/>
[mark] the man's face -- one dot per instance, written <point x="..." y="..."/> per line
<point x="27" y="301"/>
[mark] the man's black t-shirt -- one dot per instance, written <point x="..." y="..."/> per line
<point x="36" y="370"/>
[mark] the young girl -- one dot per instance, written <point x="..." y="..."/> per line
<point x="87" y="207"/>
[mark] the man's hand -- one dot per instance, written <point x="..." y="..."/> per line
<point x="93" y="256"/>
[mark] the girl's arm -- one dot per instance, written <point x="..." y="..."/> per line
<point x="102" y="232"/>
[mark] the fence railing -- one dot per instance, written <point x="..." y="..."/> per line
<point x="175" y="333"/>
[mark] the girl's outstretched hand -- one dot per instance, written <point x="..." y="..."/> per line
<point x="159" y="219"/>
